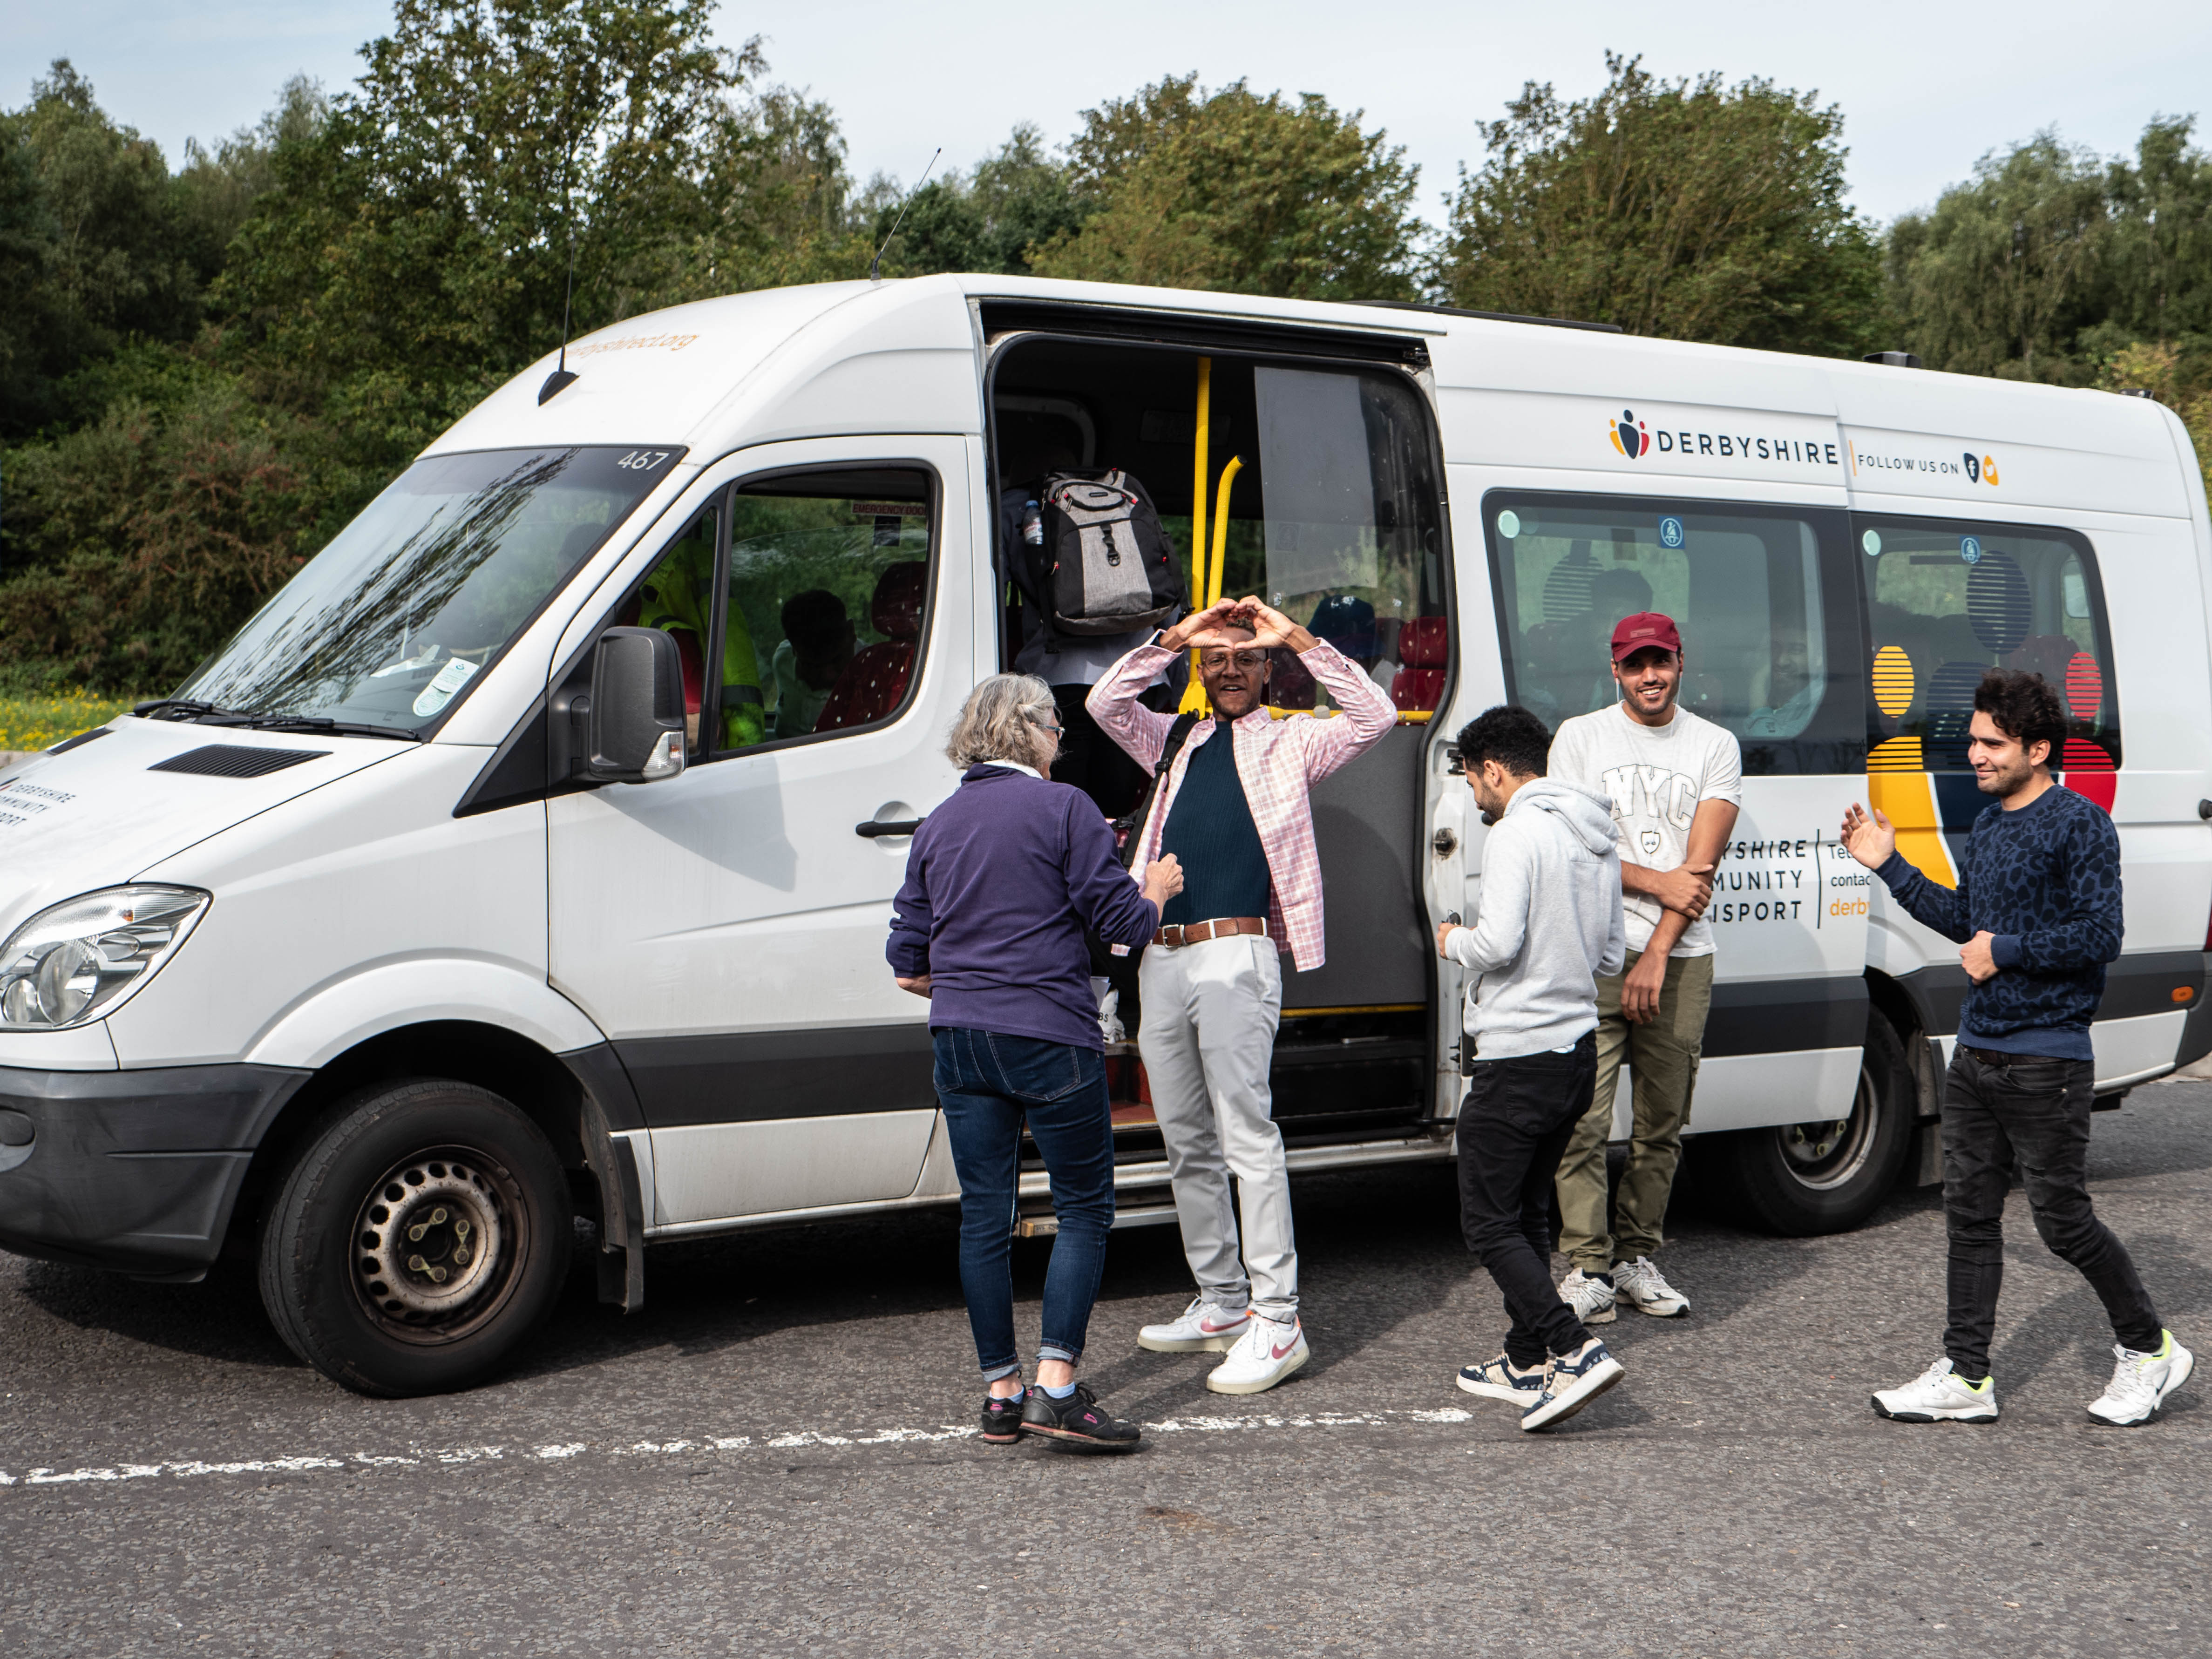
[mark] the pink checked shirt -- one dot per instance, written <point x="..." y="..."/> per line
<point x="1277" y="761"/>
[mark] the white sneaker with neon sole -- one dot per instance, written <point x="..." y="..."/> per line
<point x="1267" y="1352"/>
<point x="1202" y="1329"/>
<point x="1938" y="1396"/>
<point x="2141" y="1383"/>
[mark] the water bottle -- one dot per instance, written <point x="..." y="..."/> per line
<point x="1032" y="524"/>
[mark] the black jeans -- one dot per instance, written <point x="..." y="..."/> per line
<point x="2034" y="1113"/>
<point x="1513" y="1126"/>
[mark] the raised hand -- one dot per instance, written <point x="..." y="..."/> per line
<point x="1270" y="626"/>
<point x="1199" y="628"/>
<point x="1868" y="840"/>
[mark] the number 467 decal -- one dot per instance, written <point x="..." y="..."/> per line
<point x="643" y="461"/>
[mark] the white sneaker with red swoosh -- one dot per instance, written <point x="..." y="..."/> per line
<point x="1205" y="1327"/>
<point x="1268" y="1351"/>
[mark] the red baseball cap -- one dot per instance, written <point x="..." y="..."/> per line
<point x="1643" y="630"/>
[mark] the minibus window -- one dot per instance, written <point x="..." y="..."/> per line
<point x="390" y="623"/>
<point x="1947" y="599"/>
<point x="1765" y="614"/>
<point x="828" y="580"/>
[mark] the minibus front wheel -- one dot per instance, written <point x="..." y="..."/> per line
<point x="1805" y="1178"/>
<point x="421" y="1232"/>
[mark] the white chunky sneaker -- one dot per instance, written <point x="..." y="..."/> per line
<point x="1590" y="1298"/>
<point x="1570" y="1383"/>
<point x="2141" y="1383"/>
<point x="1938" y="1396"/>
<point x="1644" y="1288"/>
<point x="1501" y="1379"/>
<point x="1204" y="1328"/>
<point x="1268" y="1351"/>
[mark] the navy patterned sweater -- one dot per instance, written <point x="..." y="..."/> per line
<point x="2044" y="881"/>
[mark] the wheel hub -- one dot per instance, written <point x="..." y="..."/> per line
<point x="429" y="1240"/>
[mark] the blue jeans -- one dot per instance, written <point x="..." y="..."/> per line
<point x="988" y="1083"/>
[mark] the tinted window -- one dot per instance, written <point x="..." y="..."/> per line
<point x="1947" y="599"/>
<point x="1762" y="596"/>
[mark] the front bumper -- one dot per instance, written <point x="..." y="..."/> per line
<point x="136" y="1171"/>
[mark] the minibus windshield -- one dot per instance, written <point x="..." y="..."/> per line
<point x="389" y="624"/>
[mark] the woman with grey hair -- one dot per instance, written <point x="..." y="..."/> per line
<point x="1002" y="880"/>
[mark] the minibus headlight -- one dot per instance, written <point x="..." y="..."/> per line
<point x="77" y="962"/>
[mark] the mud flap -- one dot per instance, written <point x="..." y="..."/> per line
<point x="621" y="1212"/>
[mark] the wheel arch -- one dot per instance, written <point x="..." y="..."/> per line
<point x="1895" y="1003"/>
<point x="578" y="1100"/>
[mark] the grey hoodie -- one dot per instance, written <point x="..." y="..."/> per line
<point x="1549" y="923"/>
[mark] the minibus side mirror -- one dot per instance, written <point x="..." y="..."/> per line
<point x="637" y="708"/>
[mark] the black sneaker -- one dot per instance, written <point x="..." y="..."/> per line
<point x="1076" y="1419"/>
<point x="1002" y="1419"/>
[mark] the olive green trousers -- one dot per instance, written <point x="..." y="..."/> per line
<point x="1661" y="1057"/>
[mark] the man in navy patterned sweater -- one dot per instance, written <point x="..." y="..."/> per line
<point x="2037" y="916"/>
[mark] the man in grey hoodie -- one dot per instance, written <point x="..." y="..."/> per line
<point x="1548" y="925"/>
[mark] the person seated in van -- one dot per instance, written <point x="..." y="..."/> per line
<point x="817" y="642"/>
<point x="677" y="597"/>
<point x="874" y="684"/>
<point x="1235" y="809"/>
<point x="1000" y="883"/>
<point x="1792" y="676"/>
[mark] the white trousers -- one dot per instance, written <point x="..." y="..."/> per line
<point x="1207" y="1036"/>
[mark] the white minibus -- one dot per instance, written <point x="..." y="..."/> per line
<point x="530" y="854"/>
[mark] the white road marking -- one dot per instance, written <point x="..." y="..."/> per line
<point x="569" y="1450"/>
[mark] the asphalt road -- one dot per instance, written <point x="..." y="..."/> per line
<point x="767" y="1460"/>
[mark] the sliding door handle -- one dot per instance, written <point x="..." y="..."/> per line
<point x="872" y="828"/>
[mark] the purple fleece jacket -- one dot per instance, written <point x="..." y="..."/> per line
<point x="1000" y="883"/>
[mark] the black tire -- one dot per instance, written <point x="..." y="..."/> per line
<point x="421" y="1234"/>
<point x="1809" y="1178"/>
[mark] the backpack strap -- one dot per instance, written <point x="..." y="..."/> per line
<point x="1129" y="828"/>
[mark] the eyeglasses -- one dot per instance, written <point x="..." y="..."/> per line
<point x="1224" y="659"/>
<point x="1055" y="728"/>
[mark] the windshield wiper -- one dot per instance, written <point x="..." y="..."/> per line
<point x="323" y="723"/>
<point x="178" y="708"/>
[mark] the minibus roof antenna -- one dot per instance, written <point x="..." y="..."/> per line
<point x="875" y="274"/>
<point x="564" y="376"/>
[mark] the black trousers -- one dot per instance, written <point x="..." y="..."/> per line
<point x="1513" y="1126"/>
<point x="2035" y="1114"/>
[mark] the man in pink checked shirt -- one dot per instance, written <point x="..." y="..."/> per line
<point x="1234" y="809"/>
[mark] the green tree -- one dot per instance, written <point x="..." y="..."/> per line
<point x="96" y="248"/>
<point x="1687" y="210"/>
<point x="2006" y="269"/>
<point x="1014" y="201"/>
<point x="1231" y="191"/>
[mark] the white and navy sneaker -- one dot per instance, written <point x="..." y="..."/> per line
<point x="1571" y="1383"/>
<point x="1204" y="1328"/>
<point x="1590" y="1298"/>
<point x="1644" y="1288"/>
<point x="1939" y="1395"/>
<point x="2141" y="1383"/>
<point x="1501" y="1379"/>
<point x="1268" y="1351"/>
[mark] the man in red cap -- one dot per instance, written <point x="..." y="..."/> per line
<point x="1676" y="782"/>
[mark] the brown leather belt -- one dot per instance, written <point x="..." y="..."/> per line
<point x="1178" y="934"/>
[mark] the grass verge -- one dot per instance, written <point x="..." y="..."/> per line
<point x="38" y="722"/>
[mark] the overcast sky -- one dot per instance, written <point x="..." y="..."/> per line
<point x="1925" y="88"/>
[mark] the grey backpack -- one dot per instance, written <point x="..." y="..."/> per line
<point x="1108" y="566"/>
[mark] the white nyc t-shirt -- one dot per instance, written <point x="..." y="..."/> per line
<point x="1655" y="777"/>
